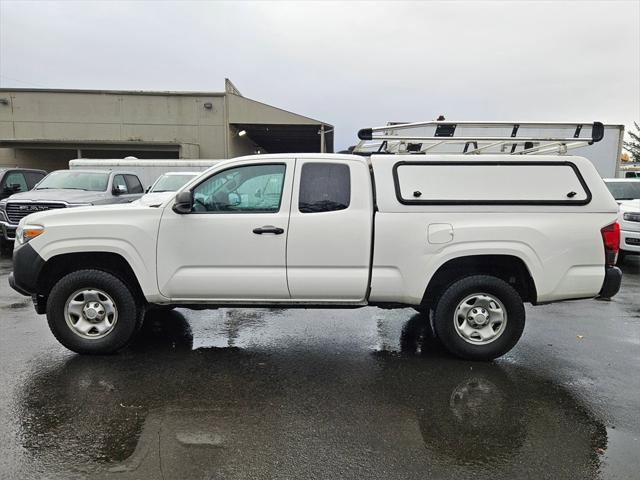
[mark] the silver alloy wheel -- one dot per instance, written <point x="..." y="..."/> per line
<point x="480" y="318"/>
<point x="90" y="313"/>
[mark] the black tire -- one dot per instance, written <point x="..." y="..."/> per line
<point x="129" y="317"/>
<point x="456" y="293"/>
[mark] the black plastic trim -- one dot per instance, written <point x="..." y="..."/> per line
<point x="27" y="265"/>
<point x="597" y="132"/>
<point x="612" y="282"/>
<point x="12" y="284"/>
<point x="283" y="305"/>
<point x="365" y="134"/>
<point x="575" y="169"/>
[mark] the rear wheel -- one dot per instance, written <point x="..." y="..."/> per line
<point x="93" y="312"/>
<point x="479" y="317"/>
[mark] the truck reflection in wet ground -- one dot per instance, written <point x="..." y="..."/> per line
<point x="255" y="410"/>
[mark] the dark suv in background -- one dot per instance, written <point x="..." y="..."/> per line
<point x="15" y="180"/>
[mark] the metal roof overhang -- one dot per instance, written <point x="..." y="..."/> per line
<point x="89" y="144"/>
<point x="287" y="138"/>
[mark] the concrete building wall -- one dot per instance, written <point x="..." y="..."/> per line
<point x="47" y="128"/>
<point x="199" y="131"/>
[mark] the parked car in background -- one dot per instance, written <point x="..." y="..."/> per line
<point x="626" y="191"/>
<point x="67" y="188"/>
<point x="15" y="180"/>
<point x="166" y="185"/>
<point x="148" y="170"/>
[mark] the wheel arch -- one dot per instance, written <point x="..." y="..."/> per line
<point x="60" y="265"/>
<point x="510" y="268"/>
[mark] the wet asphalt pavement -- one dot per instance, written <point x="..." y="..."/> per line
<point x="324" y="394"/>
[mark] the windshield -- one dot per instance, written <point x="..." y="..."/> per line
<point x="75" y="180"/>
<point x="624" y="190"/>
<point x="171" y="183"/>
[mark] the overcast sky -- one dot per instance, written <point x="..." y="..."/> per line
<point x="350" y="64"/>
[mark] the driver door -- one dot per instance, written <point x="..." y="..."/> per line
<point x="232" y="246"/>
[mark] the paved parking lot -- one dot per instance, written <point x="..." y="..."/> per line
<point x="324" y="394"/>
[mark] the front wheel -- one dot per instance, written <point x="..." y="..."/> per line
<point x="479" y="317"/>
<point x="92" y="312"/>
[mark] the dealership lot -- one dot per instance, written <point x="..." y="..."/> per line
<point x="324" y="394"/>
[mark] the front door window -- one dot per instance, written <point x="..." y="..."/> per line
<point x="251" y="189"/>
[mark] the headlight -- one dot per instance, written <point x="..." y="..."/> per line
<point x="631" y="216"/>
<point x="3" y="213"/>
<point x="26" y="233"/>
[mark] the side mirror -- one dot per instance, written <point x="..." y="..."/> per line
<point x="184" y="202"/>
<point x="119" y="189"/>
<point x="234" y="199"/>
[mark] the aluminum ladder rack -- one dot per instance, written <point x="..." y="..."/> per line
<point x="470" y="138"/>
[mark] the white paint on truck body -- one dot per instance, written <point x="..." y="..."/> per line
<point x="325" y="257"/>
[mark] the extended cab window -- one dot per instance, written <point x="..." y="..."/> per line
<point x="252" y="189"/>
<point x="324" y="187"/>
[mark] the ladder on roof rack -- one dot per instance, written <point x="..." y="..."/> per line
<point x="450" y="137"/>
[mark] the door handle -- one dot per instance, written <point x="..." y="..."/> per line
<point x="268" y="229"/>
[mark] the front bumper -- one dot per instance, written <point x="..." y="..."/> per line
<point x="8" y="231"/>
<point x="612" y="281"/>
<point x="27" y="265"/>
<point x="16" y="287"/>
<point x="629" y="241"/>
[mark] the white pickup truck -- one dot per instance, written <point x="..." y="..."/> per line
<point x="465" y="239"/>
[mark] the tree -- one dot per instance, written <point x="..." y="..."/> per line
<point x="633" y="147"/>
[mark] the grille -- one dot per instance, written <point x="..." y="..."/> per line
<point x="18" y="210"/>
